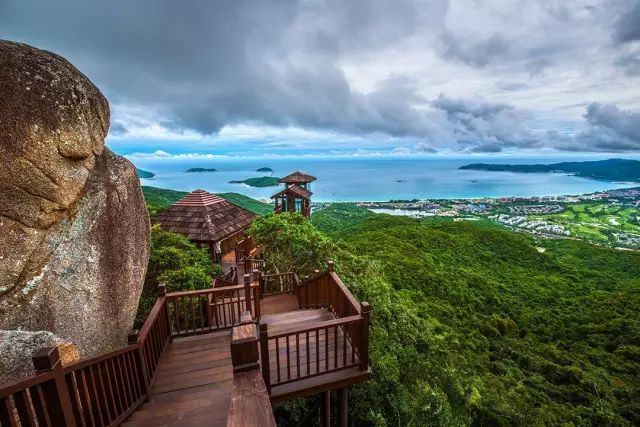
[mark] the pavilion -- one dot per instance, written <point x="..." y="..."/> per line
<point x="296" y="196"/>
<point x="206" y="219"/>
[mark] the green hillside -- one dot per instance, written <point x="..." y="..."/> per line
<point x="160" y="198"/>
<point x="475" y="325"/>
<point x="609" y="170"/>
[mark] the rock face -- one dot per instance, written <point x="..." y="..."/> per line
<point x="74" y="229"/>
<point x="16" y="345"/>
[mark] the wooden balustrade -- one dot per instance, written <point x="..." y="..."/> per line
<point x="34" y="399"/>
<point x="320" y="348"/>
<point x="294" y="353"/>
<point x="252" y="265"/>
<point x="104" y="390"/>
<point x="99" y="391"/>
<point x="327" y="290"/>
<point x="278" y="283"/>
<point x="203" y="311"/>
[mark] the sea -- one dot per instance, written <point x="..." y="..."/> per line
<point x="352" y="178"/>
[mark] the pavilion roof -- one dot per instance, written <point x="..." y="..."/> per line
<point x="296" y="190"/>
<point x="297" y="178"/>
<point x="205" y="217"/>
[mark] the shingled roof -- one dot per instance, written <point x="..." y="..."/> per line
<point x="297" y="178"/>
<point x="296" y="190"/>
<point x="202" y="216"/>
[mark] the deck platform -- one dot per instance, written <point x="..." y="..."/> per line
<point x="195" y="386"/>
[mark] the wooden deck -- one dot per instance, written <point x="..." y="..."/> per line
<point x="201" y="359"/>
<point x="311" y="362"/>
<point x="195" y="386"/>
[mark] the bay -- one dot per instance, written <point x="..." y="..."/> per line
<point x="374" y="179"/>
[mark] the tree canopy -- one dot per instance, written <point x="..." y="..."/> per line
<point x="290" y="243"/>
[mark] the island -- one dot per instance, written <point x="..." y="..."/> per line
<point x="265" y="170"/>
<point x="145" y="174"/>
<point x="192" y="170"/>
<point x="262" y="181"/>
<point x="607" y="170"/>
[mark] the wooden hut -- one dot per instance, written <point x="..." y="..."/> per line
<point x="206" y="219"/>
<point x="296" y="196"/>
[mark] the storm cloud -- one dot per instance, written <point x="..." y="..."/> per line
<point x="424" y="71"/>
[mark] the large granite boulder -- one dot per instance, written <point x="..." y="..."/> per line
<point x="74" y="229"/>
<point x="16" y="347"/>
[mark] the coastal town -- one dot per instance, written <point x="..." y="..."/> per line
<point x="610" y="218"/>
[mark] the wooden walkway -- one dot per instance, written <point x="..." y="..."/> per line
<point x="195" y="386"/>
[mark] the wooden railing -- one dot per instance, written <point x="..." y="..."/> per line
<point x="295" y="353"/>
<point x="228" y="279"/>
<point x="327" y="290"/>
<point x="253" y="265"/>
<point x="100" y="391"/>
<point x="207" y="310"/>
<point x="278" y="283"/>
<point x="246" y="248"/>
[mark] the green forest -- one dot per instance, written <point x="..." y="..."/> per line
<point x="472" y="324"/>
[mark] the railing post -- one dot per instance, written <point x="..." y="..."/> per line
<point x="247" y="292"/>
<point x="331" y="267"/>
<point x="162" y="294"/>
<point x="316" y="274"/>
<point x="262" y="283"/>
<point x="365" y="309"/>
<point x="257" y="294"/>
<point x="244" y="345"/>
<point x="296" y="284"/>
<point x="264" y="355"/>
<point x="56" y="393"/>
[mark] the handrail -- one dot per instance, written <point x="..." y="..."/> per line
<point x="88" y="362"/>
<point x="207" y="310"/>
<point x="197" y="292"/>
<point x="150" y="320"/>
<point x="345" y="292"/>
<point x="314" y="326"/>
<point x="10" y="388"/>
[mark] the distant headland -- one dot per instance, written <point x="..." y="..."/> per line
<point x="606" y="170"/>
<point x="263" y="181"/>
<point x="145" y="174"/>
<point x="195" y="170"/>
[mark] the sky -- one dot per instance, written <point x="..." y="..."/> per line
<point x="287" y="78"/>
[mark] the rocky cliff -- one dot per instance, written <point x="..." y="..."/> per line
<point x="74" y="230"/>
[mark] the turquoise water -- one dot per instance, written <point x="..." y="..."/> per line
<point x="373" y="179"/>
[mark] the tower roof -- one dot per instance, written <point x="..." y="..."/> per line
<point x="296" y="190"/>
<point x="297" y="178"/>
<point x="205" y="217"/>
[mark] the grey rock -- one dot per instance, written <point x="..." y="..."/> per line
<point x="18" y="347"/>
<point x="74" y="229"/>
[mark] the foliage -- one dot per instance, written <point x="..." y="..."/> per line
<point x="161" y="198"/>
<point x="177" y="263"/>
<point x="290" y="243"/>
<point x="248" y="203"/>
<point x="472" y="325"/>
<point x="339" y="216"/>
